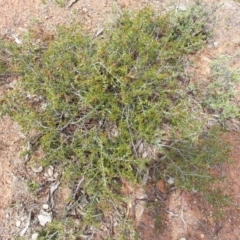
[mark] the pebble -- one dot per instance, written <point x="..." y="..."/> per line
<point x="35" y="236"/>
<point x="50" y="171"/>
<point x="45" y="206"/>
<point x="170" y="181"/>
<point x="182" y="238"/>
<point x="44" y="217"/>
<point x="215" y="44"/>
<point x="182" y="8"/>
<point x="18" y="223"/>
<point x="37" y="170"/>
<point x="85" y="10"/>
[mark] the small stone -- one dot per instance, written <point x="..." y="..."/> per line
<point x="170" y="181"/>
<point x="35" y="236"/>
<point x="50" y="172"/>
<point x="182" y="8"/>
<point x="37" y="170"/>
<point x="215" y="44"/>
<point x="45" y="206"/>
<point x="44" y="217"/>
<point x="182" y="238"/>
<point x="18" y="223"/>
<point x="202" y="236"/>
<point x="85" y="10"/>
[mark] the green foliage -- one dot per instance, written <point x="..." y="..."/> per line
<point x="62" y="3"/>
<point x="221" y="92"/>
<point x="56" y="230"/>
<point x="190" y="163"/>
<point x="2" y="67"/>
<point x="33" y="185"/>
<point x="219" y="200"/>
<point x="3" y="59"/>
<point x="93" y="99"/>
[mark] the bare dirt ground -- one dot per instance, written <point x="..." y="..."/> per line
<point x="186" y="216"/>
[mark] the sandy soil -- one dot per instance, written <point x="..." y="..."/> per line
<point x="186" y="216"/>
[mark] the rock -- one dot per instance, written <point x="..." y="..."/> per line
<point x="45" y="206"/>
<point x="50" y="171"/>
<point x="84" y="10"/>
<point x="171" y="181"/>
<point x="44" y="217"/>
<point x="35" y="236"/>
<point x="18" y="223"/>
<point x="182" y="7"/>
<point x="37" y="170"/>
<point x="182" y="238"/>
<point x="215" y="44"/>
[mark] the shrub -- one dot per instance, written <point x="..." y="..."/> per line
<point x="94" y="101"/>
